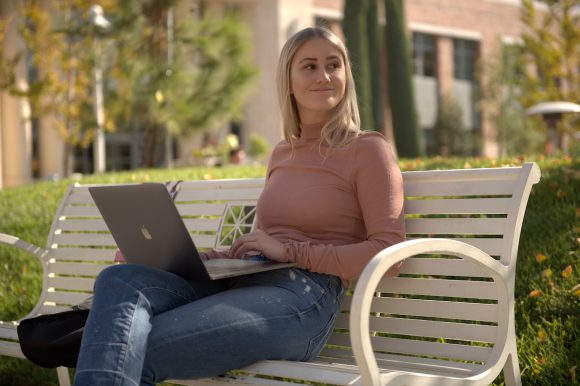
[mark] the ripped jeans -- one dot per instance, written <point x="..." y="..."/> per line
<point x="147" y="325"/>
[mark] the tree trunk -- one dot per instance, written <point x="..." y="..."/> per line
<point x="150" y="137"/>
<point x="355" y="32"/>
<point x="406" y="130"/>
<point x="376" y="78"/>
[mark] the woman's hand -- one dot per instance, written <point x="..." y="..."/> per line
<point x="258" y="240"/>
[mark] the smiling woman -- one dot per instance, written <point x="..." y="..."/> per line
<point x="315" y="59"/>
<point x="322" y="209"/>
<point x="318" y="80"/>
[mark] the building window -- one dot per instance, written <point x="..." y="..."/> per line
<point x="465" y="53"/>
<point x="321" y="22"/>
<point x="424" y="54"/>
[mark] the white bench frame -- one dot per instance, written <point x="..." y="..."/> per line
<point x="448" y="319"/>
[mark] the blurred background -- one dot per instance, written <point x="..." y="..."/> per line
<point x="89" y="87"/>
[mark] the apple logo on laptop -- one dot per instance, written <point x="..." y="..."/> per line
<point x="146" y="233"/>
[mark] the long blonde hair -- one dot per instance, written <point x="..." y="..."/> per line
<point x="344" y="123"/>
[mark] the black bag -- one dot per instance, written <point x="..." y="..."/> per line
<point x="53" y="340"/>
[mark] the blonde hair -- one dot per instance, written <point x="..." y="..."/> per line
<point x="344" y="123"/>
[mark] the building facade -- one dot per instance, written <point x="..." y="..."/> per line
<point x="448" y="38"/>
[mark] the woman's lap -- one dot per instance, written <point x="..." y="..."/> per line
<point x="282" y="314"/>
<point x="275" y="315"/>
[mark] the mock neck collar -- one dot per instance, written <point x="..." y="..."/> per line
<point x="309" y="131"/>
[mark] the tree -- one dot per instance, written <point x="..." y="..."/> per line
<point x="551" y="47"/>
<point x="204" y="83"/>
<point x="376" y="77"/>
<point x="500" y="94"/>
<point x="362" y="33"/>
<point x="62" y="84"/>
<point x="400" y="87"/>
<point x="451" y="136"/>
<point x="355" y="31"/>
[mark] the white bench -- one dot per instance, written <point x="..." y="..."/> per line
<point x="448" y="319"/>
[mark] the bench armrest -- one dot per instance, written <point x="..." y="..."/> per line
<point x="40" y="253"/>
<point x="374" y="273"/>
<point x="37" y="251"/>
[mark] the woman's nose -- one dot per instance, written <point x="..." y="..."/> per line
<point x="323" y="76"/>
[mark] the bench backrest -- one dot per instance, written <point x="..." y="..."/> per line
<point x="443" y="311"/>
<point x="439" y="311"/>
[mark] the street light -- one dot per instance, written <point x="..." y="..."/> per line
<point x="552" y="112"/>
<point x="99" y="22"/>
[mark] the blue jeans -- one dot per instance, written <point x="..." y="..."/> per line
<point x="147" y="325"/>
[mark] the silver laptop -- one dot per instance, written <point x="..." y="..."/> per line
<point x="148" y="229"/>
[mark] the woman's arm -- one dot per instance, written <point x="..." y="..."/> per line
<point x="379" y="189"/>
<point x="378" y="186"/>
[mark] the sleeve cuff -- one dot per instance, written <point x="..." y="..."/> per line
<point x="296" y="252"/>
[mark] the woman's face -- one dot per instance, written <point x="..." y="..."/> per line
<point x="317" y="80"/>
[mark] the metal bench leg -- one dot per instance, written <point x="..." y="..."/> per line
<point x="63" y="376"/>
<point x="511" y="371"/>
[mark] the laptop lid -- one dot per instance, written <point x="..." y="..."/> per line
<point x="148" y="229"/>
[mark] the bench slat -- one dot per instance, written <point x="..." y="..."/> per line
<point x="230" y="195"/>
<point x="458" y="206"/>
<point x="8" y="331"/>
<point x="51" y="309"/>
<point x="11" y="349"/>
<point x="429" y="328"/>
<point x="475" y="174"/>
<point x="330" y="373"/>
<point x="71" y="283"/>
<point x="491" y="246"/>
<point x="83" y="254"/>
<point x="403" y="363"/>
<point x="80" y="211"/>
<point x="83" y="225"/>
<point x="443" y="267"/>
<point x="422" y="348"/>
<point x="106" y="240"/>
<point x="481" y="312"/>
<point x="427" y="365"/>
<point x="202" y="225"/>
<point x="439" y="287"/>
<point x="96" y="239"/>
<point x="236" y="380"/>
<point x="100" y="225"/>
<point x="456" y="226"/>
<point x="201" y="209"/>
<point x="80" y="196"/>
<point x="86" y="269"/>
<point x="66" y="298"/>
<point x="233" y="183"/>
<point x="459" y="188"/>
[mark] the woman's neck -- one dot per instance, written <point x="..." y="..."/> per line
<point x="311" y="130"/>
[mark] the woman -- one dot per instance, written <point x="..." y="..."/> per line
<point x="333" y="198"/>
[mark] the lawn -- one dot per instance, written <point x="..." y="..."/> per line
<point x="547" y="285"/>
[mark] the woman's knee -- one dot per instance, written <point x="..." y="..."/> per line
<point x="119" y="274"/>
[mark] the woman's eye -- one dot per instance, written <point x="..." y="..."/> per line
<point x="334" y="66"/>
<point x="310" y="67"/>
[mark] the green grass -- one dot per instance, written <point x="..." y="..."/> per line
<point x="547" y="325"/>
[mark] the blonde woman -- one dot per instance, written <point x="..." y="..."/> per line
<point x="333" y="198"/>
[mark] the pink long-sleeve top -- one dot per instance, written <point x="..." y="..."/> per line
<point x="333" y="211"/>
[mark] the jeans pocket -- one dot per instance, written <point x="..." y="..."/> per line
<point x="316" y="344"/>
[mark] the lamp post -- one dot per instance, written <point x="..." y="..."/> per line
<point x="99" y="23"/>
<point x="552" y="112"/>
<point x="168" y="73"/>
